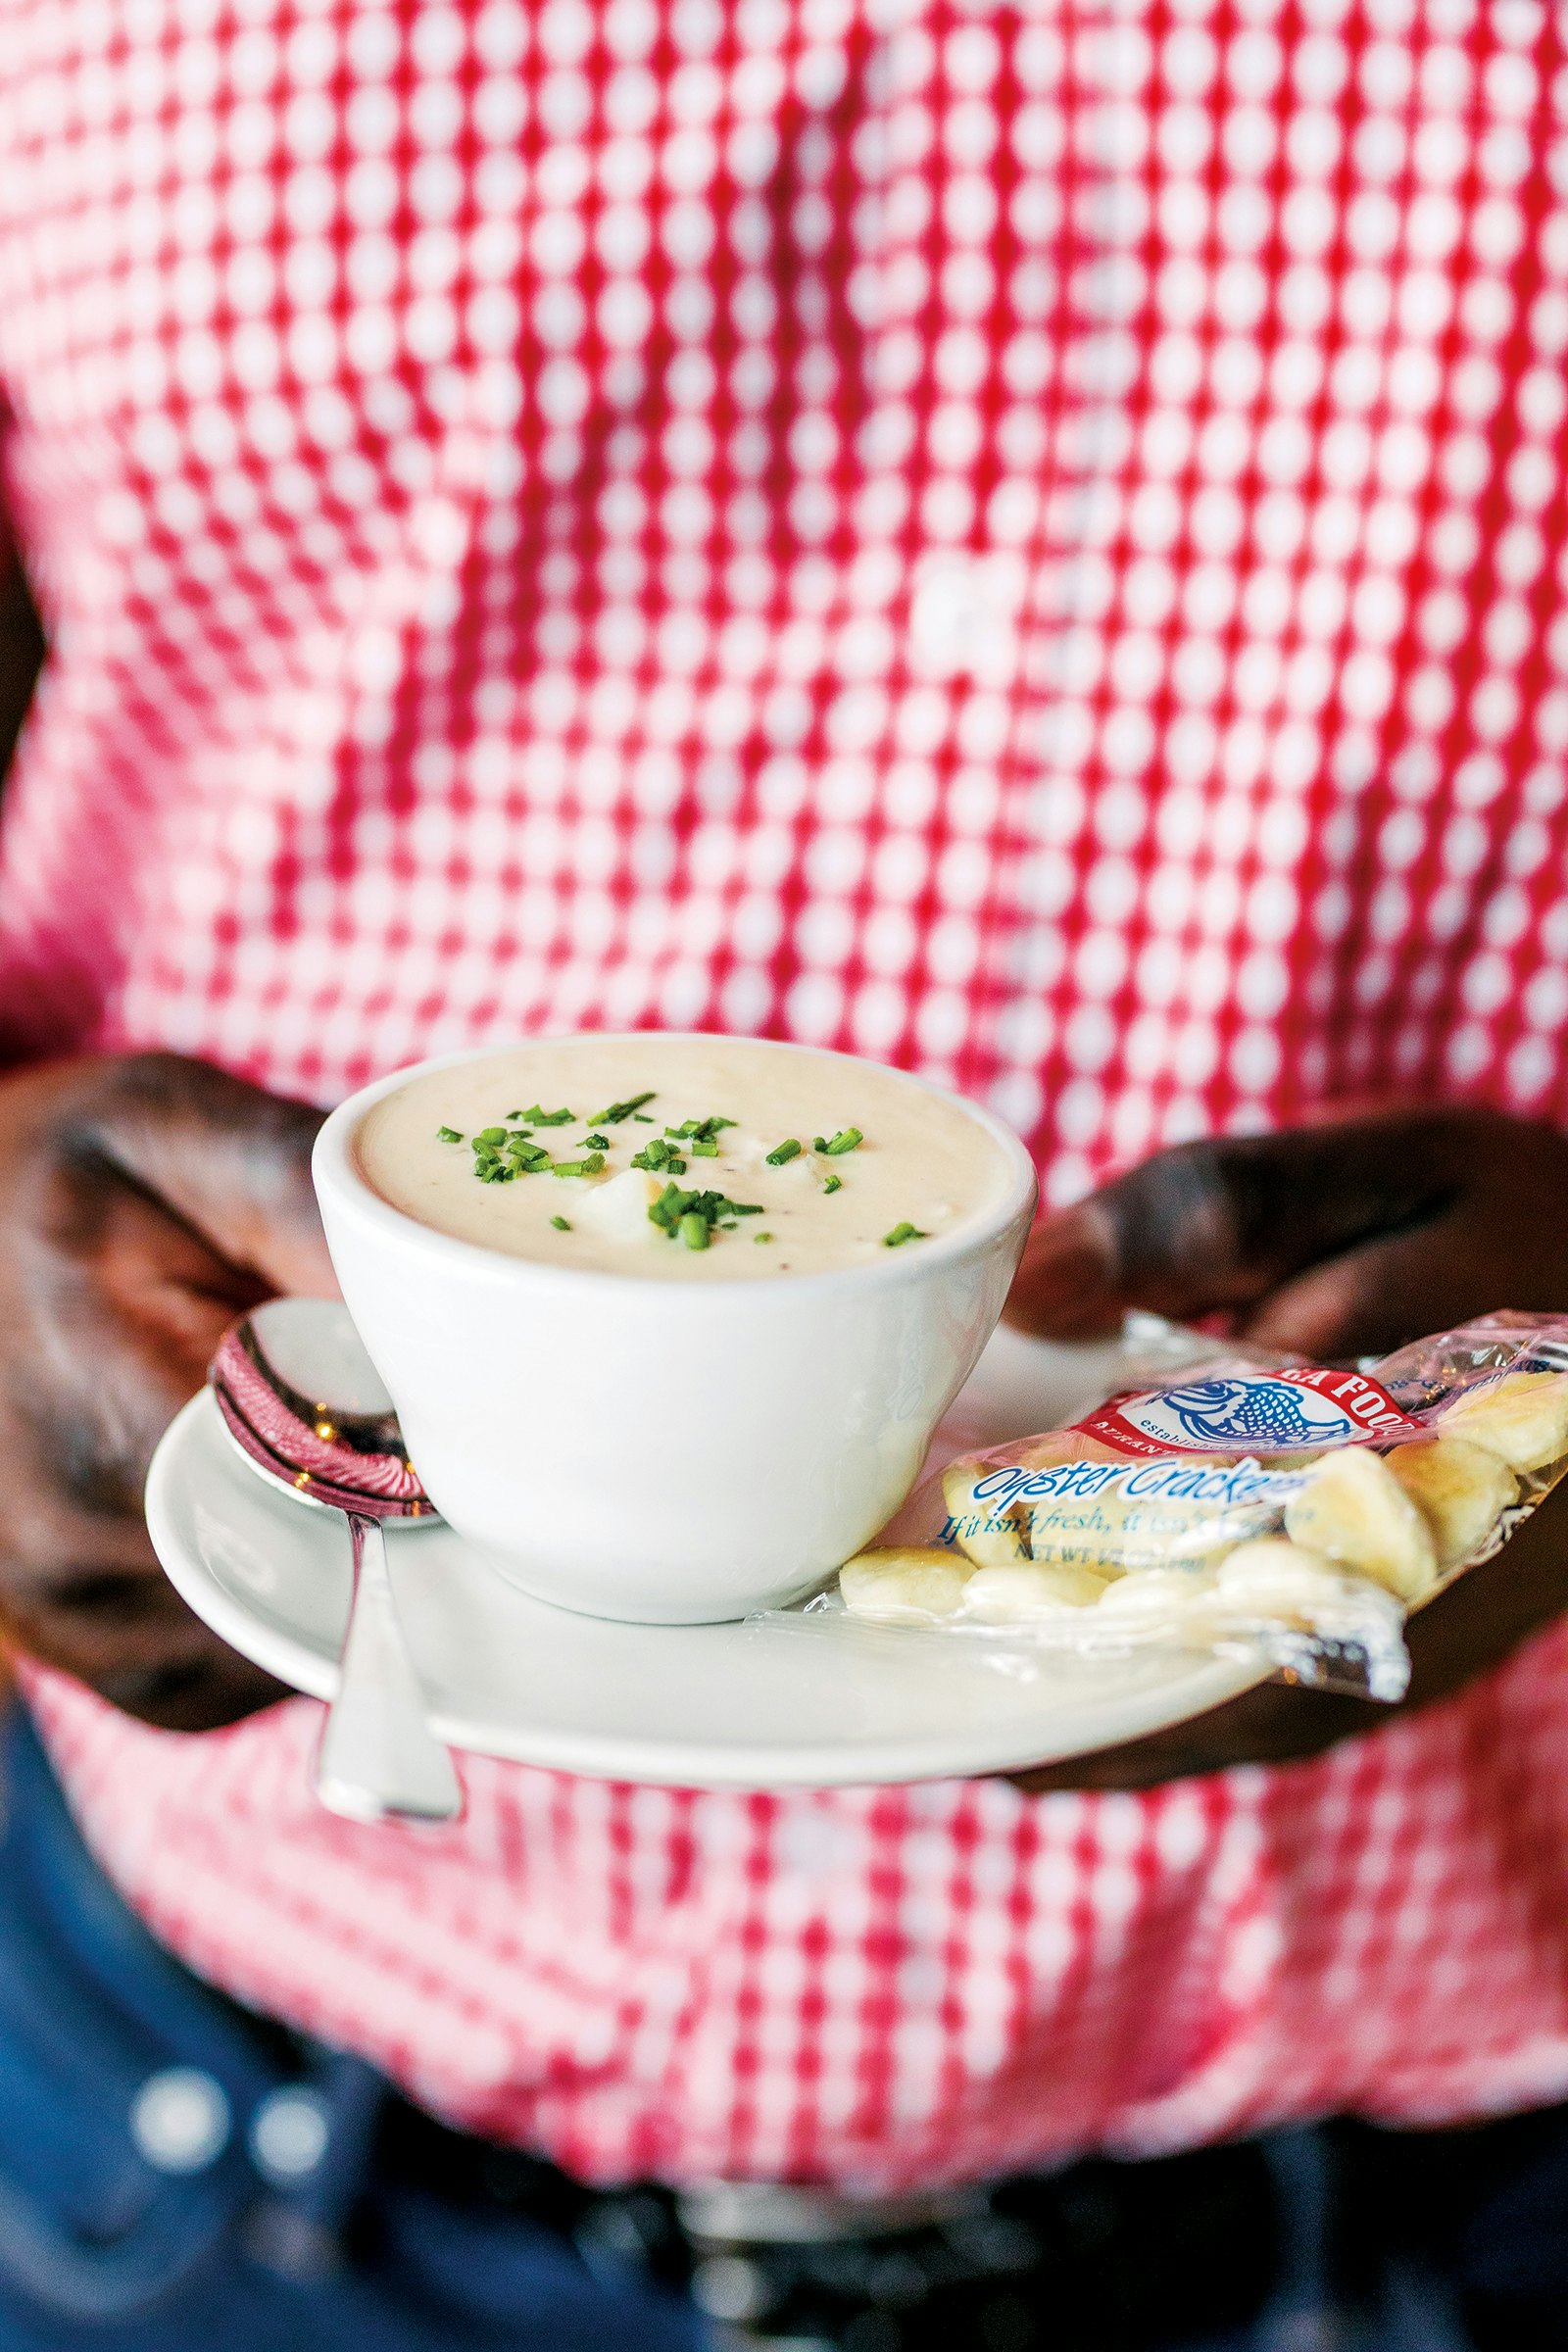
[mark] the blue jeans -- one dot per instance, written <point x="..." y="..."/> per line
<point x="178" y="2175"/>
<point x="170" y="2246"/>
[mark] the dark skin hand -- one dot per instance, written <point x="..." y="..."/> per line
<point x="144" y="1201"/>
<point x="148" y="1199"/>
<point x="1341" y="1239"/>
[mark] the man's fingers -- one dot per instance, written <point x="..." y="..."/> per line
<point x="1067" y="1285"/>
<point x="147" y="1202"/>
<point x="230" y="1160"/>
<point x="1225" y="1223"/>
<point x="1497" y="1237"/>
<point x="84" y="1592"/>
<point x="172" y="1197"/>
<point x="1203" y="1226"/>
<point x="1469" y="1259"/>
<point x="134" y="1640"/>
<point x="1162" y="1237"/>
<point x="132" y="1308"/>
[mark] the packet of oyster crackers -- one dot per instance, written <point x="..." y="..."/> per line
<point x="1290" y="1512"/>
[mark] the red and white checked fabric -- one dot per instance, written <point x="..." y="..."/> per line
<point x="1026" y="540"/>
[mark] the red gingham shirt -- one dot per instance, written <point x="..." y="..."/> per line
<point x="1027" y="540"/>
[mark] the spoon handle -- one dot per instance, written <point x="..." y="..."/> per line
<point x="378" y="1758"/>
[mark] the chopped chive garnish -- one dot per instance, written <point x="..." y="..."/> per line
<point x="578" y="1167"/>
<point x="761" y="1237"/>
<point x="702" y="1151"/>
<point x="614" y="1112"/>
<point x="675" y="1210"/>
<point x="670" y="1206"/>
<point x="699" y="1130"/>
<point x="597" y="1143"/>
<point x="491" y="1135"/>
<point x="833" y="1184"/>
<point x="845" y="1141"/>
<point x="547" y="1118"/>
<point x="561" y="1225"/>
<point x="448" y="1135"/>
<point x="783" y="1152"/>
<point x="693" y="1230"/>
<point x="656" y="1156"/>
<point x="640" y="1118"/>
<point x="903" y="1231"/>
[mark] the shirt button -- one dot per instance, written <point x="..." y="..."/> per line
<point x="180" y="2119"/>
<point x="960" y="618"/>
<point x="288" y="2134"/>
<point x="943" y="616"/>
<point x="729" y="2287"/>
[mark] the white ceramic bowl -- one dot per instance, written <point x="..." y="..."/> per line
<point x="667" y="1453"/>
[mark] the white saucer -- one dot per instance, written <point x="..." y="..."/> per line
<point x="716" y="1706"/>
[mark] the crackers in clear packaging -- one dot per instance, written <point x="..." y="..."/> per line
<point x="1296" y="1512"/>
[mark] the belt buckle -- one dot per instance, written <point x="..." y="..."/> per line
<point x="765" y="2253"/>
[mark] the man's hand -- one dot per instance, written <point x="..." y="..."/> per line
<point x="1340" y="1239"/>
<point x="1331" y="1240"/>
<point x="144" y="1201"/>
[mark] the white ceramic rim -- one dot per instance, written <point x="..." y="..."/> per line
<point x="335" y="1169"/>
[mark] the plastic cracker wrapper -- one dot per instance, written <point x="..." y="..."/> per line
<point x="1293" y="1513"/>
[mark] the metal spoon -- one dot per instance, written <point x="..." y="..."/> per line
<point x="306" y="1410"/>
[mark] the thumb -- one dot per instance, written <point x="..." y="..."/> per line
<point x="1221" y="1223"/>
<point x="1161" y="1237"/>
<point x="229" y="1160"/>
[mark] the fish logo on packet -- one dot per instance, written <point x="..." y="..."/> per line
<point x="1277" y="1412"/>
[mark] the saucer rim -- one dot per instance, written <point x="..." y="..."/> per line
<point x="182" y="1458"/>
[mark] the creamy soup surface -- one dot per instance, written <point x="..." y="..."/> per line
<point x="482" y="1153"/>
